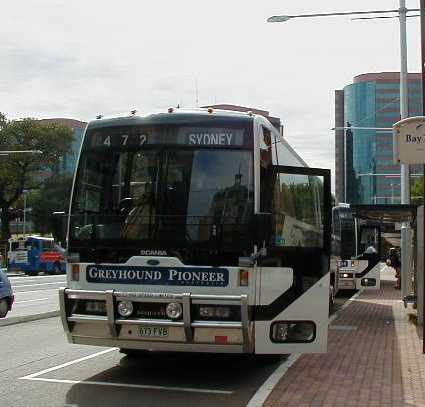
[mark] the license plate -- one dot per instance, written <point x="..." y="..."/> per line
<point x="153" y="331"/>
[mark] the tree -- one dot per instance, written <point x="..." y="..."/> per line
<point x="53" y="196"/>
<point x="417" y="191"/>
<point x="22" y="170"/>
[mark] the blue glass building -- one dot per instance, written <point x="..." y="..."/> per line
<point x="69" y="161"/>
<point x="365" y="170"/>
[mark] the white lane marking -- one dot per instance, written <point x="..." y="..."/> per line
<point x="33" y="285"/>
<point x="34" y="377"/>
<point x="72" y="362"/>
<point x="263" y="392"/>
<point x="36" y="291"/>
<point x="130" y="385"/>
<point x="24" y="278"/>
<point x="26" y="282"/>
<point x="21" y="302"/>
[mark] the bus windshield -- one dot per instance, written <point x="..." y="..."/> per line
<point x="157" y="192"/>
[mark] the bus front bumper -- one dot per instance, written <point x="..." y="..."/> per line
<point x="157" y="334"/>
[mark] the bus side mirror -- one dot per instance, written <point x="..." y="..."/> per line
<point x="59" y="226"/>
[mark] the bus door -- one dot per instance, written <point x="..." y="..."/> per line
<point x="293" y="309"/>
<point x="31" y="249"/>
<point x="368" y="264"/>
<point x="17" y="255"/>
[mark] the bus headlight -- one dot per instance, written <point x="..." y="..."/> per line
<point x="222" y="312"/>
<point x="280" y="332"/>
<point x="174" y="310"/>
<point x="97" y="307"/>
<point x="293" y="332"/>
<point x="125" y="308"/>
<point x="214" y="312"/>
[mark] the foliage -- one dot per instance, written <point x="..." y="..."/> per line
<point x="417" y="191"/>
<point x="53" y="196"/>
<point x="22" y="171"/>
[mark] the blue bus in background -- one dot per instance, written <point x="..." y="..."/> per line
<point x="34" y="254"/>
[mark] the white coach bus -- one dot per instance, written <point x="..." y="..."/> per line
<point x="356" y="254"/>
<point x="196" y="231"/>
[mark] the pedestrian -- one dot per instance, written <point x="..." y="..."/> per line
<point x="371" y="249"/>
<point x="394" y="261"/>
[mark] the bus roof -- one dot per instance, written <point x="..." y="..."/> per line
<point x="175" y="116"/>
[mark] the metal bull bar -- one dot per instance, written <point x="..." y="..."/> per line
<point x="111" y="297"/>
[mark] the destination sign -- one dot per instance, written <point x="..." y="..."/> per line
<point x="176" y="276"/>
<point x="210" y="137"/>
<point x="189" y="136"/>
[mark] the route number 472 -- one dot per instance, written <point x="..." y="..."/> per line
<point x="142" y="138"/>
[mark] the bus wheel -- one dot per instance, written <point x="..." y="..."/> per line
<point x="31" y="273"/>
<point x="331" y="299"/>
<point x="4" y="307"/>
<point x="268" y="359"/>
<point x="133" y="353"/>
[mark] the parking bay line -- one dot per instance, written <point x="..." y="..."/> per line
<point x="130" y="385"/>
<point x="35" y="377"/>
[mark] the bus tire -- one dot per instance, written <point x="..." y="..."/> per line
<point x="331" y="299"/>
<point x="133" y="353"/>
<point x="4" y="307"/>
<point x="31" y="273"/>
<point x="268" y="358"/>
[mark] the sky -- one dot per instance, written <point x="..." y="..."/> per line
<point x="78" y="59"/>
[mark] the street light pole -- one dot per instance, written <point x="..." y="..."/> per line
<point x="25" y="211"/>
<point x="421" y="289"/>
<point x="406" y="235"/>
<point x="7" y="152"/>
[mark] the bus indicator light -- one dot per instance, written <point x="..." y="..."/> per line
<point x="220" y="339"/>
<point x="243" y="278"/>
<point x="75" y="274"/>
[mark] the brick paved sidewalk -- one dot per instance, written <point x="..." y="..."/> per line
<point x="374" y="359"/>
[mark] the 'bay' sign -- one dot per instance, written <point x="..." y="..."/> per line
<point x="409" y="140"/>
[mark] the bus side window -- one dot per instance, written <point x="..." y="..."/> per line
<point x="265" y="148"/>
<point x="296" y="203"/>
<point x="265" y="163"/>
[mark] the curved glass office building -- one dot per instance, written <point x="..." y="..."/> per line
<point x="365" y="172"/>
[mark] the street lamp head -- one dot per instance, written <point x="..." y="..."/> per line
<point x="278" y="19"/>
